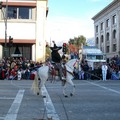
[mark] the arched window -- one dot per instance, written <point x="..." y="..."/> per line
<point x="102" y="38"/>
<point x="107" y="49"/>
<point x="114" y="19"/>
<point x="107" y="36"/>
<point x="97" y="40"/>
<point x="114" y="47"/>
<point x="114" y="34"/>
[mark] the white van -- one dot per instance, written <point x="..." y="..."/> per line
<point x="93" y="56"/>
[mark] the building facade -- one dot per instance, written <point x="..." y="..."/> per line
<point x="107" y="29"/>
<point x="26" y="24"/>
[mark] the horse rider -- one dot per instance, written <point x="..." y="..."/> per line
<point x="57" y="59"/>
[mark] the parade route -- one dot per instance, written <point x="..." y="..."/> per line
<point x="93" y="99"/>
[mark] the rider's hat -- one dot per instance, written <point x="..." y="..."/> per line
<point x="55" y="48"/>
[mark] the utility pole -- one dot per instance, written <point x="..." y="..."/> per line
<point x="5" y="18"/>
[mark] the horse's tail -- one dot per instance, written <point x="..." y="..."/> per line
<point x="35" y="85"/>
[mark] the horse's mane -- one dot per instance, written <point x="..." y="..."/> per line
<point x="72" y="61"/>
<point x="71" y="64"/>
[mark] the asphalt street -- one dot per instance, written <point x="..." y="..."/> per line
<point x="93" y="100"/>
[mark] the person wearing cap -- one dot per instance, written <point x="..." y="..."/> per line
<point x="56" y="58"/>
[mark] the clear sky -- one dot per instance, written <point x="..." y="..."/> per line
<point x="71" y="18"/>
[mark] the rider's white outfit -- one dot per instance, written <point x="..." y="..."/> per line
<point x="104" y="71"/>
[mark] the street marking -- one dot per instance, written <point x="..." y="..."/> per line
<point x="112" y="90"/>
<point x="6" y="98"/>
<point x="12" y="113"/>
<point x="2" y="118"/>
<point x="51" y="113"/>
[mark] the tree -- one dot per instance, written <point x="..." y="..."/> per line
<point x="71" y="41"/>
<point x="48" y="52"/>
<point x="78" y="42"/>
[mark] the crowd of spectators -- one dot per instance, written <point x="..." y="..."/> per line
<point x="86" y="72"/>
<point x="18" y="68"/>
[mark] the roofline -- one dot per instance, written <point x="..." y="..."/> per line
<point x="104" y="9"/>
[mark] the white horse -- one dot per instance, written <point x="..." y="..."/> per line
<point x="43" y="74"/>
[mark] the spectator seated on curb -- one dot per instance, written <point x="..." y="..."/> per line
<point x="115" y="75"/>
<point x="19" y="74"/>
<point x="13" y="75"/>
<point x="27" y="74"/>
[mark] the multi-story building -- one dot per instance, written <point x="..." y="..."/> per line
<point x="25" y="22"/>
<point x="107" y="29"/>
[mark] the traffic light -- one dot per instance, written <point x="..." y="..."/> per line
<point x="10" y="41"/>
<point x="64" y="48"/>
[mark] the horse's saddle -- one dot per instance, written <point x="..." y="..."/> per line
<point x="55" y="70"/>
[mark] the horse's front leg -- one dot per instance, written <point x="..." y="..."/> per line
<point x="73" y="90"/>
<point x="43" y="92"/>
<point x="64" y="90"/>
<point x="70" y="81"/>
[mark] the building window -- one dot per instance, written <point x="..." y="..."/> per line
<point x="114" y="19"/>
<point x="107" y="23"/>
<point x="107" y="37"/>
<point x="102" y="39"/>
<point x="12" y="12"/>
<point x="97" y="40"/>
<point x="114" y="34"/>
<point x="24" y="13"/>
<point x="19" y="12"/>
<point x="114" y="47"/>
<point x="107" y="49"/>
<point x="102" y="26"/>
<point x="97" y="29"/>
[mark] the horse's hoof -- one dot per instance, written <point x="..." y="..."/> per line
<point x="65" y="95"/>
<point x="44" y="96"/>
<point x="71" y="94"/>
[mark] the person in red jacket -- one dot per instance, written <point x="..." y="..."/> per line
<point x="12" y="74"/>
